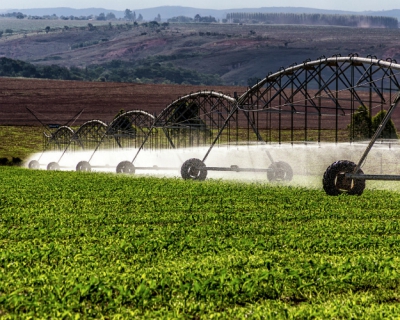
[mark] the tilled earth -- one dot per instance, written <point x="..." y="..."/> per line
<point x="32" y="101"/>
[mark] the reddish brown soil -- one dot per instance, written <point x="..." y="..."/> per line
<point x="59" y="102"/>
<point x="75" y="102"/>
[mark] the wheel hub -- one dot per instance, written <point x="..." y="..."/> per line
<point x="343" y="183"/>
<point x="193" y="171"/>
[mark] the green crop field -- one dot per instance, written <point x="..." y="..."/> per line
<point x="92" y="245"/>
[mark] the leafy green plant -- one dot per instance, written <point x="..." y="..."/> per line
<point x="102" y="245"/>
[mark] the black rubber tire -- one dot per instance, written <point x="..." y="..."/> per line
<point x="83" y="166"/>
<point x="190" y="170"/>
<point x="34" y="164"/>
<point x="280" y="171"/>
<point x="53" y="166"/>
<point x="126" y="167"/>
<point x="334" y="182"/>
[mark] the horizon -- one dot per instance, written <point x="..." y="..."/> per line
<point x="367" y="5"/>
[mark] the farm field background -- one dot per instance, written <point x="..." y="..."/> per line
<point x="105" y="245"/>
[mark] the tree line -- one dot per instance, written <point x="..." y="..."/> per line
<point x="146" y="71"/>
<point x="197" y="18"/>
<point x="314" y="19"/>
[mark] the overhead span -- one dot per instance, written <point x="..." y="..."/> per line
<point x="90" y="134"/>
<point x="130" y="128"/>
<point x="194" y="119"/>
<point x="322" y="94"/>
<point x="59" y="139"/>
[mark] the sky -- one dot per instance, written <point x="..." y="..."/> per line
<point x="346" y="5"/>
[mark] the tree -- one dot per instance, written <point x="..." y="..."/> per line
<point x="389" y="132"/>
<point x="361" y="125"/>
<point x="101" y="17"/>
<point x="110" y="16"/>
<point x="140" y="17"/>
<point x="128" y="14"/>
<point x="180" y="19"/>
<point x="158" y="18"/>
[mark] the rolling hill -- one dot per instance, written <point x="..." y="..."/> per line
<point x="236" y="53"/>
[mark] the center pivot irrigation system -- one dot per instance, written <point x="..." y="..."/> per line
<point x="127" y="130"/>
<point x="310" y="102"/>
<point x="208" y="118"/>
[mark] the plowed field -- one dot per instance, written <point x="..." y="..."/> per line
<point x="34" y="102"/>
<point x="61" y="102"/>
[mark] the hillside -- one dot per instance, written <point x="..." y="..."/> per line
<point x="237" y="53"/>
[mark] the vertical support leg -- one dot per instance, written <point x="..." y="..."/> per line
<point x="234" y="109"/>
<point x="269" y="156"/>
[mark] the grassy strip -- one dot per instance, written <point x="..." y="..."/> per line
<point x="103" y="245"/>
<point x="20" y="141"/>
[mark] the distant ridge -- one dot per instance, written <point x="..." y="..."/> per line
<point x="63" y="11"/>
<point x="167" y="12"/>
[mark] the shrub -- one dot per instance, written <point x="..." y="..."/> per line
<point x="361" y="125"/>
<point x="389" y="132"/>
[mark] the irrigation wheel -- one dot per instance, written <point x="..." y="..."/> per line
<point x="84" y="166"/>
<point x="334" y="181"/>
<point x="126" y="167"/>
<point x="280" y="171"/>
<point x="34" y="164"/>
<point x="191" y="169"/>
<point x="52" y="166"/>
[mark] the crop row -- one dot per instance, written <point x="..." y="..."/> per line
<point x="99" y="245"/>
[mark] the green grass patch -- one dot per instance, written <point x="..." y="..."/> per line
<point x="20" y="141"/>
<point x="102" y="245"/>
